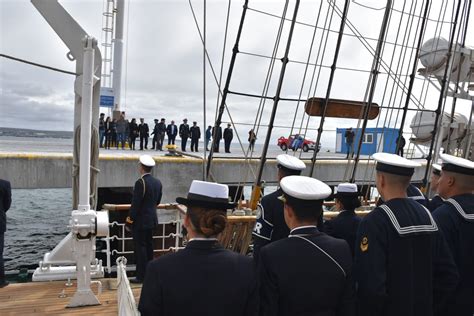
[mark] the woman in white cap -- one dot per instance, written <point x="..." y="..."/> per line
<point x="455" y="218"/>
<point x="203" y="278"/>
<point x="346" y="223"/>
<point x="402" y="263"/>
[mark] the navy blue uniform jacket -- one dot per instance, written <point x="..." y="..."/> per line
<point x="5" y="202"/>
<point x="456" y="219"/>
<point x="402" y="263"/>
<point x="270" y="225"/>
<point x="146" y="196"/>
<point x="308" y="273"/>
<point x="344" y="226"/>
<point x="435" y="202"/>
<point x="202" y="279"/>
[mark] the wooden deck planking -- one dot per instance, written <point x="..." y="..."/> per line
<point x="42" y="298"/>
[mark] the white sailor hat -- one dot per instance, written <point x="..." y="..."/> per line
<point x="457" y="164"/>
<point x="207" y="195"/>
<point x="304" y="188"/>
<point x="290" y="162"/>
<point x="436" y="169"/>
<point x="346" y="190"/>
<point x="147" y="161"/>
<point x="394" y="164"/>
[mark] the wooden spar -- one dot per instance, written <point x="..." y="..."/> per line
<point x="340" y="108"/>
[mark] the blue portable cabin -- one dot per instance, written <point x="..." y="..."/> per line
<point x="374" y="136"/>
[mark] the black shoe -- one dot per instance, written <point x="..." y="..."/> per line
<point x="5" y="283"/>
<point x="136" y="281"/>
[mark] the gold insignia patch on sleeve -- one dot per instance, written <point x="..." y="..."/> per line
<point x="364" y="244"/>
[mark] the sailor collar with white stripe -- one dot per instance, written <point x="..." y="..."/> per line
<point x="408" y="230"/>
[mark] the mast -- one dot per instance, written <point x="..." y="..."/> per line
<point x="117" y="59"/>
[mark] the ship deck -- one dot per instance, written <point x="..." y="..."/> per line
<point x="44" y="298"/>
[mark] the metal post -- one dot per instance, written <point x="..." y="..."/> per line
<point x="118" y="51"/>
<point x="373" y="82"/>
<point x="328" y="91"/>
<point x="86" y="121"/>
<point x="235" y="50"/>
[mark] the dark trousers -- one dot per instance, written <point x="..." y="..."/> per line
<point x="2" y="268"/>
<point x="171" y="139"/>
<point x="350" y="150"/>
<point x="227" y="145"/>
<point x="400" y="151"/>
<point x="143" y="139"/>
<point x="184" y="140"/>
<point x="161" y="140"/>
<point x="154" y="141"/>
<point x="132" y="142"/>
<point x="143" y="243"/>
<point x="194" y="144"/>
<point x="216" y="145"/>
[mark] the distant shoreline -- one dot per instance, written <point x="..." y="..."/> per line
<point x="23" y="132"/>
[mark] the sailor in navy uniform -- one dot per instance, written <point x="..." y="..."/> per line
<point x="402" y="263"/>
<point x="270" y="225"/>
<point x="346" y="223"/>
<point x="456" y="219"/>
<point x="142" y="217"/>
<point x="436" y="201"/>
<point x="308" y="273"/>
<point x="204" y="278"/>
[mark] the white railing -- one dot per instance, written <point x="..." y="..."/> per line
<point x="166" y="217"/>
<point x="125" y="298"/>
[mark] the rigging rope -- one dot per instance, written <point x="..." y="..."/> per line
<point x="38" y="65"/>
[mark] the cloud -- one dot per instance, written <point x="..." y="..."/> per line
<point x="164" y="64"/>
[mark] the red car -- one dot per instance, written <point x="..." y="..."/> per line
<point x="295" y="144"/>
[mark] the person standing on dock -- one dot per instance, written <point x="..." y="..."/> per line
<point x="147" y="194"/>
<point x="252" y="139"/>
<point x="349" y="135"/>
<point x="403" y="265"/>
<point x="217" y="135"/>
<point x="155" y="135"/>
<point x="195" y="136"/>
<point x="122" y="126"/>
<point x="5" y="203"/>
<point x="171" y="131"/>
<point x="208" y="136"/>
<point x="203" y="278"/>
<point x="228" y="135"/>
<point x="401" y="142"/>
<point x="161" y="134"/>
<point x="308" y="273"/>
<point x="101" y="130"/>
<point x="455" y="218"/>
<point x="270" y="225"/>
<point x="143" y="130"/>
<point x="133" y="131"/>
<point x="184" y="134"/>
<point x="346" y="223"/>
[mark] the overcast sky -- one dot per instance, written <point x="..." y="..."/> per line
<point x="163" y="65"/>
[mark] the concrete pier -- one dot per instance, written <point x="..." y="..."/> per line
<point x="54" y="170"/>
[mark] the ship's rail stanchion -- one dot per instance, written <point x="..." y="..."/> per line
<point x="125" y="299"/>
<point x="167" y="236"/>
